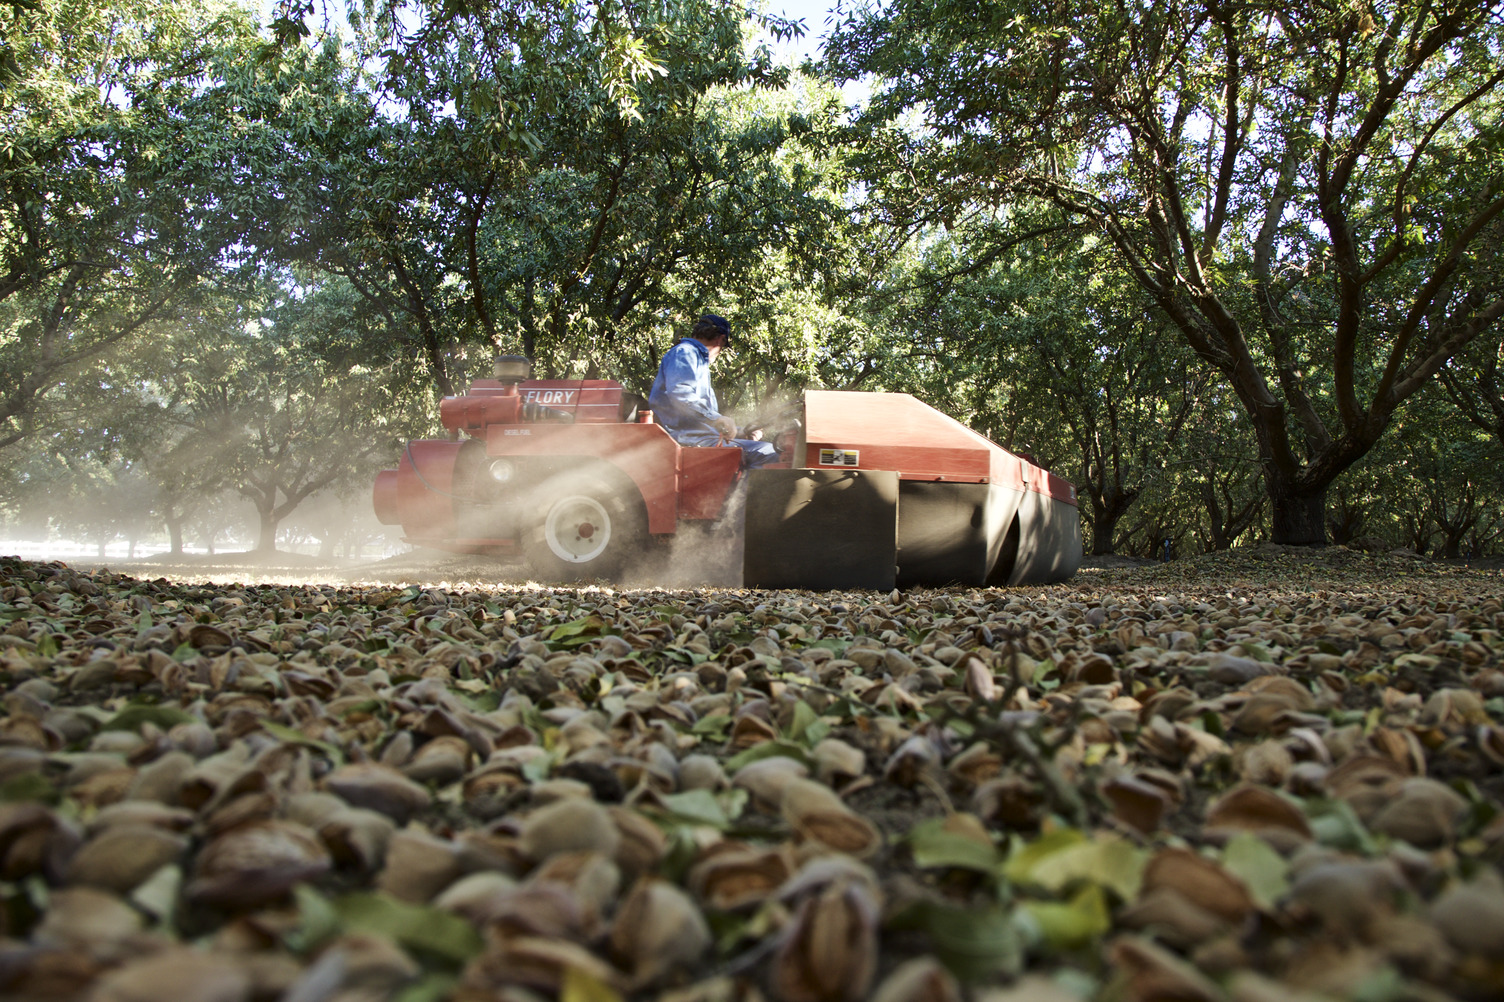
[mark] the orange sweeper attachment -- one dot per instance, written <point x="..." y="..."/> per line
<point x="876" y="490"/>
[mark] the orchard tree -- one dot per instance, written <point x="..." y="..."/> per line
<point x="1454" y="477"/>
<point x="1092" y="359"/>
<point x="282" y="403"/>
<point x="156" y="402"/>
<point x="1474" y="383"/>
<point x="560" y="180"/>
<point x="309" y="412"/>
<point x="1219" y="466"/>
<point x="1311" y="193"/>
<point x="1049" y="349"/>
<point x="96" y="241"/>
<point x="317" y="408"/>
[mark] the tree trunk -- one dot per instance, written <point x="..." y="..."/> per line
<point x="1346" y="524"/>
<point x="175" y="534"/>
<point x="1104" y="525"/>
<point x="1452" y="538"/>
<point x="1297" y="518"/>
<point x="1227" y="518"/>
<point x="266" y="540"/>
<point x="1214" y="516"/>
<point x="1417" y="535"/>
<point x="1106" y="512"/>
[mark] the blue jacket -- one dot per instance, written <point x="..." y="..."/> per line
<point x="682" y="399"/>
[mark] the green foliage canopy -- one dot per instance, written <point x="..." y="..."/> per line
<point x="560" y="180"/>
<point x="96" y="239"/>
<point x="1312" y="194"/>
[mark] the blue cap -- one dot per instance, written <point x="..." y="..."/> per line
<point x="710" y="326"/>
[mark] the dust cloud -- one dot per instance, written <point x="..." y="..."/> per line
<point x="323" y="540"/>
<point x="334" y="537"/>
<point x="700" y="554"/>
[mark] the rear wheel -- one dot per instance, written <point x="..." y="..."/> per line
<point x="584" y="528"/>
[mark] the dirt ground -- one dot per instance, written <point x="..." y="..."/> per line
<point x="434" y="568"/>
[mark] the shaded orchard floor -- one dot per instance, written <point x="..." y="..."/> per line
<point x="1240" y="776"/>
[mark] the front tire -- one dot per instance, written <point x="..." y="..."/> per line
<point x="584" y="529"/>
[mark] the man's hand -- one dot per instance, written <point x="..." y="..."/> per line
<point x="725" y="427"/>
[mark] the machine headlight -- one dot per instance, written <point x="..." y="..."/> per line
<point x="512" y="368"/>
<point x="502" y="471"/>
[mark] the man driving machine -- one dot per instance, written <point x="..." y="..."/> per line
<point x="684" y="402"/>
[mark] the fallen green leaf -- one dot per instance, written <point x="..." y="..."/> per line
<point x="804" y="718"/>
<point x="417" y="927"/>
<point x="431" y="987"/>
<point x="933" y="846"/>
<point x="29" y="786"/>
<point x="1334" y="824"/>
<point x="575" y="632"/>
<point x="1024" y="856"/>
<point x="975" y="943"/>
<point x="1257" y="651"/>
<point x="767" y="749"/>
<point x="157" y="896"/>
<point x="699" y="806"/>
<point x="1262" y="869"/>
<point x="132" y="717"/>
<point x="1059" y="861"/>
<point x="294" y="736"/>
<point x="1074" y="923"/>
<point x="580" y="986"/>
<point x="713" y="726"/>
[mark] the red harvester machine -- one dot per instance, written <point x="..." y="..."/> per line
<point x="880" y="490"/>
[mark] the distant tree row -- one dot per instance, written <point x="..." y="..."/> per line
<point x="247" y="260"/>
<point x="1233" y="270"/>
<point x="1310" y="196"/>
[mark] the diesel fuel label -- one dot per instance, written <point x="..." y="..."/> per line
<point x="840" y="457"/>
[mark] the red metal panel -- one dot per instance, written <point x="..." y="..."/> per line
<point x="705" y="479"/>
<point x="588" y="401"/>
<point x="892" y="431"/>
<point x="1058" y="488"/>
<point x="895" y="431"/>
<point x="425" y="480"/>
<point x="599" y="403"/>
<point x="473" y="412"/>
<point x="643" y="452"/>
<point x="384" y="498"/>
<point x="591" y="401"/>
<point x="1026" y="476"/>
<point x="1010" y="471"/>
